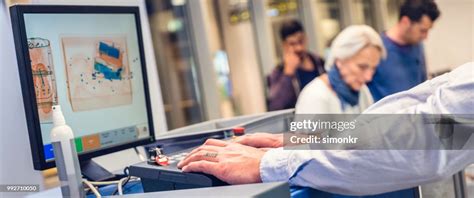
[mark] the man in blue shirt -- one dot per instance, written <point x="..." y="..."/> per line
<point x="405" y="65"/>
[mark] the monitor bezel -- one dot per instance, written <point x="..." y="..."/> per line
<point x="17" y="13"/>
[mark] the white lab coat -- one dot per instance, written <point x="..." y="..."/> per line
<point x="366" y="172"/>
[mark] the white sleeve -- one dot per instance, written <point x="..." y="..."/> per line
<point x="365" y="172"/>
<point x="362" y="172"/>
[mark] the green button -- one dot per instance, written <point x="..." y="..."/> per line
<point x="78" y="142"/>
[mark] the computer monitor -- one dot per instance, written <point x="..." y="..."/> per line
<point x="90" y="61"/>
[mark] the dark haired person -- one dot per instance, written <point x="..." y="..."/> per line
<point x="405" y="65"/>
<point x="298" y="68"/>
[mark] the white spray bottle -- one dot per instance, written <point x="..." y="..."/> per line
<point x="65" y="155"/>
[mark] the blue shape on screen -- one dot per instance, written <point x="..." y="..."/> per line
<point x="109" y="50"/>
<point x="109" y="74"/>
<point x="48" y="152"/>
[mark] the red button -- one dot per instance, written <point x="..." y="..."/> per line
<point x="162" y="160"/>
<point x="238" y="131"/>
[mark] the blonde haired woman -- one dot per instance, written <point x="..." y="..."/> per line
<point x="354" y="56"/>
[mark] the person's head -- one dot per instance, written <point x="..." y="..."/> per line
<point x="293" y="37"/>
<point x="416" y="19"/>
<point x="356" y="52"/>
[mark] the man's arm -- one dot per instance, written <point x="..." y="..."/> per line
<point x="361" y="172"/>
<point x="281" y="91"/>
<point x="352" y="172"/>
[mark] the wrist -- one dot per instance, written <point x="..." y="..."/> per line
<point x="258" y="178"/>
<point x="289" y="71"/>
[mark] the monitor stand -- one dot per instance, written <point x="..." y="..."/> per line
<point x="95" y="172"/>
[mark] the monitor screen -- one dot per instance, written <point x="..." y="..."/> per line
<point x="89" y="60"/>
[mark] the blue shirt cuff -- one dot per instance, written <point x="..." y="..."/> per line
<point x="274" y="165"/>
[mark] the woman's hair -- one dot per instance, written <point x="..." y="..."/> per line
<point x="351" y="40"/>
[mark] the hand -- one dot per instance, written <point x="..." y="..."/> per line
<point x="291" y="61"/>
<point x="261" y="140"/>
<point x="470" y="176"/>
<point x="230" y="162"/>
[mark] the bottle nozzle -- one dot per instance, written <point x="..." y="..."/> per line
<point x="58" y="117"/>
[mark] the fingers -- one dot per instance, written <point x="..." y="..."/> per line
<point x="198" y="156"/>
<point x="202" y="166"/>
<point x="257" y="140"/>
<point x="252" y="141"/>
<point x="245" y="140"/>
<point x="214" y="142"/>
<point x="204" y="148"/>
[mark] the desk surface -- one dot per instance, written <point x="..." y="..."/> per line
<point x="263" y="190"/>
